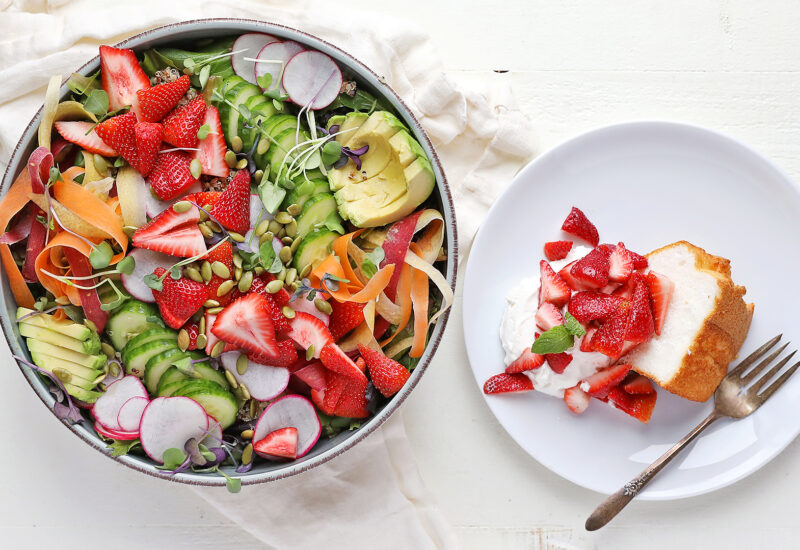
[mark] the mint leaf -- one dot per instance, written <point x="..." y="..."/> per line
<point x="369" y="267"/>
<point x="268" y="258"/>
<point x="573" y="326"/>
<point x="555" y="340"/>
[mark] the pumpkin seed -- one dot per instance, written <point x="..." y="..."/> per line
<point x="244" y="391"/>
<point x="242" y="164"/>
<point x="90" y="325"/>
<point x="285" y="254"/>
<point x="225" y="287"/>
<point x="274" y="286"/>
<point x="291" y="276"/>
<point x="294" y="209"/>
<point x="283" y="218"/>
<point x="287" y="240"/>
<point x="218" y="348"/>
<point x="282" y="233"/>
<point x="196" y="168"/>
<point x="221" y="270"/>
<point x="202" y="329"/>
<point x="262" y="227"/>
<point x="214" y="310"/>
<point x="210" y="303"/>
<point x="237" y="260"/>
<point x="194" y="274"/>
<point x="294" y="286"/>
<point x="214" y="226"/>
<point x="114" y="370"/>
<point x="253" y="408"/>
<point x="323" y="306"/>
<point x="236" y="144"/>
<point x="205" y="230"/>
<point x="230" y="158"/>
<point x="295" y="245"/>
<point x="205" y="270"/>
<point x="262" y="147"/>
<point x="181" y="206"/>
<point x="269" y="235"/>
<point x="100" y="164"/>
<point x="63" y="375"/>
<point x="237" y="273"/>
<point x="242" y="363"/>
<point x="231" y="379"/>
<point x="247" y="453"/>
<point x="246" y="281"/>
<point x="202" y="340"/>
<point x="236" y="237"/>
<point x="288" y="312"/>
<point x="264" y="239"/>
<point x="98" y="379"/>
<point x="203" y="214"/>
<point x="108" y="350"/>
<point x="247" y="434"/>
<point x="259" y="270"/>
<point x="281" y="276"/>
<point x="183" y="340"/>
<point x="291" y="228"/>
<point x="310" y="352"/>
<point x="275" y="227"/>
<point x="257" y="175"/>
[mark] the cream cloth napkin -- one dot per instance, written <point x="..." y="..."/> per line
<point x="371" y="496"/>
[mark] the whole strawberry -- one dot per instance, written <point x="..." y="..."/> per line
<point x="178" y="299"/>
<point x="387" y="375"/>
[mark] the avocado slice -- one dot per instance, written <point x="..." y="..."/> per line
<point x="89" y="346"/>
<point x="89" y="361"/>
<point x="348" y="125"/>
<point x="81" y="376"/>
<point x="64" y="326"/>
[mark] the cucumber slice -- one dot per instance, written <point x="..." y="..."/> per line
<point x="171" y="375"/>
<point x="129" y="320"/>
<point x="217" y="401"/>
<point x="320" y="210"/>
<point x="157" y="365"/>
<point x="261" y="113"/>
<point x="168" y="390"/>
<point x="284" y="142"/>
<point x="314" y="174"/>
<point x="315" y="247"/>
<point x="304" y="191"/>
<point x="206" y="372"/>
<point x="150" y="335"/>
<point x="138" y="357"/>
<point x="237" y="95"/>
<point x="229" y="83"/>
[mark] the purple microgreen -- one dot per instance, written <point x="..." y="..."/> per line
<point x="244" y="468"/>
<point x="192" y="449"/>
<point x="68" y="412"/>
<point x="333" y="129"/>
<point x="45" y="312"/>
<point x="355" y="154"/>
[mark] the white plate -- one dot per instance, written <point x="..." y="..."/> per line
<point x="647" y="184"/>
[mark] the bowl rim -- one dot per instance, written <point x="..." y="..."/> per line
<point x="346" y="60"/>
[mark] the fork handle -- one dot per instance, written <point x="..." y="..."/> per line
<point x="614" y="504"/>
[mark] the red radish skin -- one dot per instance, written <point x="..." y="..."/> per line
<point x="169" y="422"/>
<point x="115" y="434"/>
<point x="107" y="407"/>
<point x="312" y="79"/>
<point x="281" y="52"/>
<point x="131" y="413"/>
<point x="247" y="46"/>
<point x="291" y="411"/>
<point x="264" y="382"/>
<point x="146" y="262"/>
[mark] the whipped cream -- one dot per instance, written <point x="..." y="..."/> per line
<point x="518" y="328"/>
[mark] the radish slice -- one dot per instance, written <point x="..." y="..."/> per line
<point x="213" y="441"/>
<point x="146" y="263"/>
<point x="131" y="413"/>
<point x="108" y="405"/>
<point x="290" y="411"/>
<point x="156" y="206"/>
<point x="169" y="422"/>
<point x="257" y="214"/>
<point x="301" y="304"/>
<point x="313" y="79"/>
<point x="279" y="53"/>
<point x="115" y="434"/>
<point x="248" y="45"/>
<point x="264" y="382"/>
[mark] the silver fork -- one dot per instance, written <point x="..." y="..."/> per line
<point x="733" y="399"/>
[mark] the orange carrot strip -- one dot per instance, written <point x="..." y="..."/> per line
<point x="403" y="299"/>
<point x="339" y="248"/>
<point x="419" y="299"/>
<point x="19" y="288"/>
<point x="14" y="201"/>
<point x="44" y="262"/>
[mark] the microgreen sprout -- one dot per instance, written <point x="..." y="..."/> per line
<point x="125" y="266"/>
<point x="68" y="412"/>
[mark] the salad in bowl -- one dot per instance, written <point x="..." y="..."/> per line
<point x="225" y="256"/>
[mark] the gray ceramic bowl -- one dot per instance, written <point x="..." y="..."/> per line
<point x="326" y="449"/>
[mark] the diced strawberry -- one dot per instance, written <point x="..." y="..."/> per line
<point x="286" y="357"/>
<point x="626" y="289"/>
<point x="588" y="305"/>
<point x="318" y="398"/>
<point x="279" y="444"/>
<point x="204" y="198"/>
<point x="386" y="374"/>
<point x="548" y="316"/>
<point x="118" y="132"/>
<point x="586" y="342"/>
<point x="212" y="148"/>
<point x="526" y="361"/>
<point x="345" y="316"/>
<point x="557" y="250"/>
<point x="638" y="406"/>
<point x="122" y="77"/>
<point x="576" y="399"/>
<point x="148" y="140"/>
<point x="232" y="209"/>
<point x="610" y="337"/>
<point x="601" y="382"/>
<point x="507" y="383"/>
<point x="308" y="331"/>
<point x="558" y="362"/>
<point x="592" y="269"/>
<point x="313" y="374"/>
<point x="553" y="289"/>
<point x="641" y="325"/>
<point x="246" y="323"/>
<point x="172" y="233"/>
<point x="620" y="264"/>
<point x="661" y="288"/>
<point x="639" y="261"/>
<point x="636" y="384"/>
<point x="178" y="299"/>
<point x="156" y="102"/>
<point x="336" y="360"/>
<point x="171" y="174"/>
<point x="627" y="346"/>
<point x="182" y="124"/>
<point x="352" y="402"/>
<point x="579" y="225"/>
<point x="193" y="330"/>
<point x="75" y="131"/>
<point x="361" y="364"/>
<point x="572" y="282"/>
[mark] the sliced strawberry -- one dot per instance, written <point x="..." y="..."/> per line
<point x="592" y="270"/>
<point x="572" y="282"/>
<point x="212" y="340"/>
<point x="223" y="254"/>
<point x="212" y="148"/>
<point x="118" y="132"/>
<point x="282" y="325"/>
<point x="204" y="198"/>
<point x="148" y="140"/>
<point x="386" y="374"/>
<point x="282" y="297"/>
<point x="246" y="323"/>
<point x="625" y="290"/>
<point x="557" y="250"/>
<point x="553" y="288"/>
<point x="156" y="102"/>
<point x="313" y="375"/>
<point x="558" y="362"/>
<point x="345" y="316"/>
<point x="620" y="264"/>
<point x="588" y="305"/>
<point x="308" y="331"/>
<point x="641" y="325"/>
<point x="507" y="383"/>
<point x="548" y="316"/>
<point x="318" y="398"/>
<point x="638" y="406"/>
<point x="286" y="357"/>
<point x="335" y="385"/>
<point x="172" y="233"/>
<point x="636" y="384"/>
<point x="586" y="342"/>
<point x="182" y="124"/>
<point x="281" y="443"/>
<point x="353" y="401"/>
<point x="639" y="261"/>
<point x="526" y="361"/>
<point x="576" y="399"/>
<point x="178" y="299"/>
<point x="599" y="384"/>
<point x="232" y="209"/>
<point x="610" y="337"/>
<point x="579" y="225"/>
<point x="171" y="175"/>
<point x="336" y="360"/>
<point x="122" y="77"/>
<point x="627" y="346"/>
<point x="661" y="288"/>
<point x="76" y="132"/>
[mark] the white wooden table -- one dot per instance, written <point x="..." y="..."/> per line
<point x="728" y="64"/>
